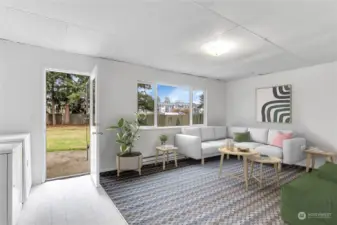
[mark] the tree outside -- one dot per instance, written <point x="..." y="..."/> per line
<point x="198" y="107"/>
<point x="66" y="94"/>
<point x="67" y="109"/>
<point x="146" y="103"/>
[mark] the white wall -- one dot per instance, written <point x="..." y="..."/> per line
<point x="22" y="96"/>
<point x="314" y="105"/>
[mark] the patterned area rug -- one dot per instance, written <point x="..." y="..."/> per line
<point x="194" y="194"/>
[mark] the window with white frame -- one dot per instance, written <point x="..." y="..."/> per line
<point x="170" y="106"/>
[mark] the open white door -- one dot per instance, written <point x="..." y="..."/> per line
<point x="94" y="131"/>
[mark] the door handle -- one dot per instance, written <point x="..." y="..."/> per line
<point x="100" y="133"/>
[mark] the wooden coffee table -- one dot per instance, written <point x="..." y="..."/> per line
<point x="225" y="151"/>
<point x="313" y="152"/>
<point x="264" y="160"/>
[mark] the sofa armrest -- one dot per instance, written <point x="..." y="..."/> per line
<point x="188" y="145"/>
<point x="293" y="150"/>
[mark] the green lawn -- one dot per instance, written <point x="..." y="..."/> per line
<point x="64" y="138"/>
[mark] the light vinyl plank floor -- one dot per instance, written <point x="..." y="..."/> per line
<point x="73" y="201"/>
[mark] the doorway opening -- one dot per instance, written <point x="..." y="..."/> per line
<point x="67" y="124"/>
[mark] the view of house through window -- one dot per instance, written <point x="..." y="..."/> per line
<point x="173" y="105"/>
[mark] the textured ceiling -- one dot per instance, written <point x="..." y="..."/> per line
<point x="271" y="35"/>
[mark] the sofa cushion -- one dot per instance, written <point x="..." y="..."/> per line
<point x="211" y="147"/>
<point x="280" y="137"/>
<point x="250" y="145"/>
<point x="259" y="135"/>
<point x="242" y="137"/>
<point x="207" y="133"/>
<point x="220" y="132"/>
<point x="270" y="151"/>
<point x="232" y="130"/>
<point x="193" y="131"/>
<point x="273" y="133"/>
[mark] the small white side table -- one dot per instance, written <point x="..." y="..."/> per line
<point x="166" y="149"/>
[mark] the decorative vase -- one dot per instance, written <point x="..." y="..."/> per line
<point x="163" y="143"/>
<point x="129" y="161"/>
<point x="230" y="144"/>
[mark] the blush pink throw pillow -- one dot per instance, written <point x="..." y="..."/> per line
<point x="280" y="137"/>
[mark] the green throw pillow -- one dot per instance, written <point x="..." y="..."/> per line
<point x="242" y="137"/>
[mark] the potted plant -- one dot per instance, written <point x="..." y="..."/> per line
<point x="163" y="138"/>
<point x="127" y="134"/>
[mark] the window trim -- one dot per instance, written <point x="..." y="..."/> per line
<point x="154" y="86"/>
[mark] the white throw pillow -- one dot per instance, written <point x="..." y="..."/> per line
<point x="207" y="134"/>
<point x="259" y="135"/>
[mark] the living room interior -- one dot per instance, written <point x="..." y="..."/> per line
<point x="203" y="112"/>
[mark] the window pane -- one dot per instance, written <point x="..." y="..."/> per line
<point x="198" y="107"/>
<point x="94" y="102"/>
<point x="146" y="103"/>
<point x="173" y="106"/>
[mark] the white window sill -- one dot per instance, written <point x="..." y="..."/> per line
<point x="165" y="128"/>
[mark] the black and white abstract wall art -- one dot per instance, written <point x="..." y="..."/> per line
<point x="273" y="104"/>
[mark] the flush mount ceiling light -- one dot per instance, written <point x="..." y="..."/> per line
<point x="217" y="48"/>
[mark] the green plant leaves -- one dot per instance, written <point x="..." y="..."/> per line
<point x="128" y="133"/>
<point x="133" y="127"/>
<point x="141" y="116"/>
<point x="124" y="148"/>
<point x="121" y="123"/>
<point x="113" y="128"/>
<point x="163" y="138"/>
<point x="118" y="136"/>
<point x="125" y="135"/>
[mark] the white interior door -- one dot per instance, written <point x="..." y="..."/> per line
<point x="94" y="131"/>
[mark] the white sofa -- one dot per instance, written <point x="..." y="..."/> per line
<point x="204" y="142"/>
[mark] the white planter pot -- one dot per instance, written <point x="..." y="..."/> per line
<point x="129" y="163"/>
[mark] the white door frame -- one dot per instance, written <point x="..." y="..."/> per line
<point x="44" y="110"/>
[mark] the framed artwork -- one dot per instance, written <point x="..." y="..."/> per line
<point x="273" y="104"/>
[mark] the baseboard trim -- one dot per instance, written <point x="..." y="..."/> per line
<point x="67" y="177"/>
<point x="108" y="170"/>
<point x="146" y="161"/>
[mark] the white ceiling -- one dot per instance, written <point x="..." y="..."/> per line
<point x="271" y="35"/>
